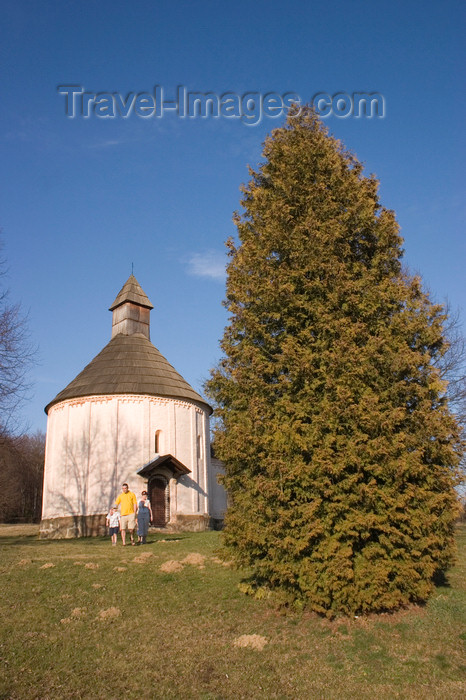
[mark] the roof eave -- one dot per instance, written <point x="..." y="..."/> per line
<point x="199" y="402"/>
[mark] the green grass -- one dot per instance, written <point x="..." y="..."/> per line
<point x="173" y="634"/>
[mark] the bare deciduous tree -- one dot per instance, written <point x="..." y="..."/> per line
<point x="453" y="364"/>
<point x="453" y="370"/>
<point x="16" y="355"/>
<point x="21" y="477"/>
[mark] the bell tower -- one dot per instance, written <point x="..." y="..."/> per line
<point x="131" y="310"/>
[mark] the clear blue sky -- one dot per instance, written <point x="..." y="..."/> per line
<point x="83" y="199"/>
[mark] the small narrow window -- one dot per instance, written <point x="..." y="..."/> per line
<point x="157" y="441"/>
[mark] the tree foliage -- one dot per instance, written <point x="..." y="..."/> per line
<point x="340" y="450"/>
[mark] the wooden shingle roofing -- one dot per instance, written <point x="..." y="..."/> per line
<point x="129" y="364"/>
<point x="131" y="291"/>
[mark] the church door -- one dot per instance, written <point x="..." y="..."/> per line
<point x="159" y="501"/>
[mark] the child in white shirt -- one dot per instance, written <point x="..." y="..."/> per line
<point x="113" y="522"/>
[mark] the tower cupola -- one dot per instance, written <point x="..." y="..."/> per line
<point x="131" y="310"/>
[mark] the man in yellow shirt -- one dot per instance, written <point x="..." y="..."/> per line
<point x="128" y="508"/>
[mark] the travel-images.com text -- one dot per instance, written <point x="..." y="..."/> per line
<point x="249" y="107"/>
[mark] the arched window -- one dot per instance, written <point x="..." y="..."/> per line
<point x="158" y="442"/>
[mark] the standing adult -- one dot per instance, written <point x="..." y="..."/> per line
<point x="144" y="517"/>
<point x="128" y="508"/>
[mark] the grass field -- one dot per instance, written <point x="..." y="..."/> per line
<point x="80" y="619"/>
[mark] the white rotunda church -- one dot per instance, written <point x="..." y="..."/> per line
<point x="129" y="417"/>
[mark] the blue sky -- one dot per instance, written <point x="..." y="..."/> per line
<point x="84" y="199"/>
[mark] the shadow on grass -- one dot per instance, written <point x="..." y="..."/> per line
<point x="32" y="540"/>
<point x="91" y="542"/>
<point x="440" y="580"/>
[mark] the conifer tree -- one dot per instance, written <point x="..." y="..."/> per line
<point x="339" y="447"/>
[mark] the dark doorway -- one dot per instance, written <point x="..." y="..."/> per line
<point x="159" y="501"/>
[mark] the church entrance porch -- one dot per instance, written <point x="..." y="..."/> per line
<point x="161" y="473"/>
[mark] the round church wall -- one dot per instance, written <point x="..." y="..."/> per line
<point x="94" y="444"/>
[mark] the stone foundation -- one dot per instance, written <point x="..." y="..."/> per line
<point x="189" y="523"/>
<point x="71" y="526"/>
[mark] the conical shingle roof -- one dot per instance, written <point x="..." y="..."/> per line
<point x="129" y="364"/>
<point x="131" y="291"/>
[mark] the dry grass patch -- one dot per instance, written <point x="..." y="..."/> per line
<point x="142" y="558"/>
<point x="109" y="614"/>
<point x="75" y="614"/>
<point x="48" y="565"/>
<point x="171" y="566"/>
<point x="222" y="562"/>
<point x="119" y="568"/>
<point x="195" y="559"/>
<point x="253" y="641"/>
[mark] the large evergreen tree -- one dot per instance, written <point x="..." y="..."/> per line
<point x="339" y="447"/>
